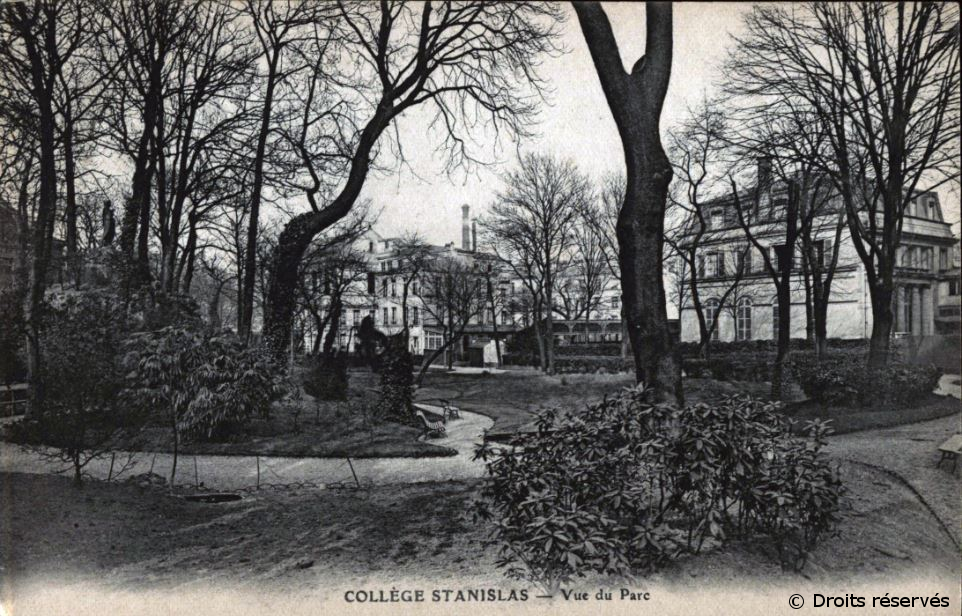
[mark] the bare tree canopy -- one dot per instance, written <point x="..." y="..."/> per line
<point x="882" y="82"/>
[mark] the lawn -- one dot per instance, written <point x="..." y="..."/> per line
<point x="305" y="428"/>
<point x="514" y="397"/>
<point x="849" y="419"/>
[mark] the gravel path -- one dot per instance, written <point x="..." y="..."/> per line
<point x="237" y="472"/>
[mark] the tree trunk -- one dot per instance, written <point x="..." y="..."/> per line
<point x="636" y="100"/>
<point x="335" y="320"/>
<point x="300" y="231"/>
<point x="784" y="335"/>
<point x="250" y="256"/>
<point x="882" y="318"/>
<point x="43" y="224"/>
<point x="70" y="205"/>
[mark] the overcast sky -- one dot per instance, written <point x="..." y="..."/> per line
<point x="577" y="124"/>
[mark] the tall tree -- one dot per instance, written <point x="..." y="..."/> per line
<point x="277" y="26"/>
<point x="532" y="221"/>
<point x="31" y="56"/>
<point x="471" y="62"/>
<point x="635" y="99"/>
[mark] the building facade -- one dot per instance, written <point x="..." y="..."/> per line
<point x="926" y="274"/>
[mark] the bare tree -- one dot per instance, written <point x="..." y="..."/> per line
<point x="635" y="99"/>
<point x="601" y="218"/>
<point x="32" y="53"/>
<point x="698" y="148"/>
<point x="472" y="62"/>
<point x="532" y="223"/>
<point x="882" y="81"/>
<point x="454" y="295"/>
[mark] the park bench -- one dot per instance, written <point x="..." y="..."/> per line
<point x="950" y="450"/>
<point x="450" y="411"/>
<point x="432" y="427"/>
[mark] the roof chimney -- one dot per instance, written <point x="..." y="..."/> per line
<point x="465" y="227"/>
<point x="474" y="236"/>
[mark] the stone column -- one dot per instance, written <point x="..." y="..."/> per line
<point x="928" y="314"/>
<point x="916" y="311"/>
<point x="898" y="324"/>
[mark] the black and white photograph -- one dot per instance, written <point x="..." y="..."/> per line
<point x="393" y="307"/>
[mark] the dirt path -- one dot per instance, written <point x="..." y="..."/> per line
<point x="911" y="453"/>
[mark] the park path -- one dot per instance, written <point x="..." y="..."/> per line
<point x="911" y="453"/>
<point x="238" y="472"/>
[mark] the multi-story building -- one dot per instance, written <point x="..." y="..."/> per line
<point x="381" y="295"/>
<point x="925" y="273"/>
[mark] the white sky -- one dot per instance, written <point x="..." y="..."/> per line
<point x="578" y="124"/>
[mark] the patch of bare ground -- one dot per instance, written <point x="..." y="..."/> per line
<point x="126" y="537"/>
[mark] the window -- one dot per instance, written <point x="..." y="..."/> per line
<point x="943" y="258"/>
<point x="716" y="219"/>
<point x="504" y="317"/>
<point x="743" y="319"/>
<point x="371" y="286"/>
<point x="370" y="246"/>
<point x="710" y="265"/>
<point x="414" y="287"/>
<point x="393" y="316"/>
<point x="394" y="287"/>
<point x="743" y="260"/>
<point x="356" y="317"/>
<point x="701" y="266"/>
<point x="384" y="322"/>
<point x="615" y="302"/>
<point x="711" y="315"/>
<point x="415" y="344"/>
<point x="926" y="258"/>
<point x="415" y="315"/>
<point x="775" y="318"/>
<point x="433" y="341"/>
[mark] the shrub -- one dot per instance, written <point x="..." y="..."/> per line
<point x="79" y="416"/>
<point x="628" y="485"/>
<point x="594" y="349"/>
<point x="327" y="378"/>
<point x="397" y="380"/>
<point x="204" y="385"/>
<point x="573" y="365"/>
<point x="846" y="380"/>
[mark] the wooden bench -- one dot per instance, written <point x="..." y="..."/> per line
<point x="450" y="411"/>
<point x="432" y="427"/>
<point x="950" y="450"/>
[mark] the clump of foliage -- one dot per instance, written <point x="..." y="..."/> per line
<point x="12" y="332"/>
<point x="397" y="380"/>
<point x="327" y="378"/>
<point x="848" y="381"/>
<point x="628" y="485"/>
<point x="80" y="415"/>
<point x="205" y="385"/>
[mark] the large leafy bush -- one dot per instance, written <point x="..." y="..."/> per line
<point x="627" y="485"/>
<point x="205" y="384"/>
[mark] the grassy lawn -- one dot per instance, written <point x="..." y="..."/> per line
<point x="847" y="419"/>
<point x="514" y="397"/>
<point x="295" y="541"/>
<point x="304" y="428"/>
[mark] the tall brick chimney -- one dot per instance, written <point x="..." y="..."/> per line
<point x="466" y="227"/>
